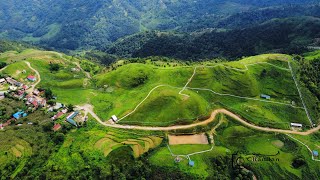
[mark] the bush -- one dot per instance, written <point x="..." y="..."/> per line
<point x="54" y="67"/>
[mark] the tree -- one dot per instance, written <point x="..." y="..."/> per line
<point x="70" y="107"/>
<point x="54" y="67"/>
<point x="48" y="94"/>
<point x="2" y="65"/>
<point x="58" y="138"/>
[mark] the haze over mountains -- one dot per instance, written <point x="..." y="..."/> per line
<point x="97" y="24"/>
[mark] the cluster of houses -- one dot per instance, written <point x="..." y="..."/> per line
<point x="34" y="101"/>
<point x="70" y="118"/>
<point x="16" y="88"/>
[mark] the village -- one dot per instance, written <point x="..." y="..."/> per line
<point x="34" y="99"/>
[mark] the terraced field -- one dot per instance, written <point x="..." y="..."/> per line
<point x="139" y="146"/>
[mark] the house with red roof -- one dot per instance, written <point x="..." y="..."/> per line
<point x="31" y="78"/>
<point x="35" y="103"/>
<point x="57" y="116"/>
<point x="56" y="127"/>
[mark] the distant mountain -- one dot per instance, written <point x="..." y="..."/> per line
<point x="70" y="25"/>
<point x="290" y="35"/>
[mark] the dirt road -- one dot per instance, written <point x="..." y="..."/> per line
<point x="31" y="89"/>
<point x="89" y="109"/>
<point x="3" y="68"/>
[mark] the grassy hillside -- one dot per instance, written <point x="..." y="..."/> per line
<point x="147" y="94"/>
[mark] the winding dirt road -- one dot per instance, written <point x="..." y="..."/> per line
<point x="3" y="68"/>
<point x="30" y="90"/>
<point x="89" y="109"/>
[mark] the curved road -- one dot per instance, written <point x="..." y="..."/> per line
<point x="89" y="109"/>
<point x="30" y="90"/>
<point x="3" y="68"/>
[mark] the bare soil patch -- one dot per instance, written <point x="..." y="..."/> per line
<point x="188" y="139"/>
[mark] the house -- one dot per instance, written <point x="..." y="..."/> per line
<point x="10" y="80"/>
<point x="75" y="69"/>
<point x="19" y="114"/>
<point x="2" y="93"/>
<point x="191" y="163"/>
<point x="114" y="118"/>
<point x="315" y="153"/>
<point x="265" y="96"/>
<point x="1" y="126"/>
<point x="58" y="106"/>
<point x="177" y="159"/>
<point x="3" y="81"/>
<point x="36" y="92"/>
<point x="35" y="103"/>
<point x="57" y="116"/>
<point x="56" y="127"/>
<point x="31" y="78"/>
<point x="25" y="87"/>
<point x="18" y="84"/>
<point x="13" y="88"/>
<point x="296" y="125"/>
<point x="43" y="103"/>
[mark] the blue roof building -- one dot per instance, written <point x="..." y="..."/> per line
<point x="70" y="118"/>
<point x="71" y="121"/>
<point x="315" y="153"/>
<point x="191" y="163"/>
<point x="19" y="114"/>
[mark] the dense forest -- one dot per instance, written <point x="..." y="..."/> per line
<point x="290" y="35"/>
<point x="73" y="25"/>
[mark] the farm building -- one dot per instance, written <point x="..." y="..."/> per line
<point x="73" y="114"/>
<point x="3" y="81"/>
<point x="71" y="121"/>
<point x="264" y="96"/>
<point x="31" y="78"/>
<point x="296" y="125"/>
<point x="70" y="118"/>
<point x="315" y="153"/>
<point x="114" y="118"/>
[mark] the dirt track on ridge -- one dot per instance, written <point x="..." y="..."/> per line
<point x="89" y="109"/>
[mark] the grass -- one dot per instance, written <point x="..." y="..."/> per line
<point x="162" y="157"/>
<point x="16" y="71"/>
<point x="166" y="107"/>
